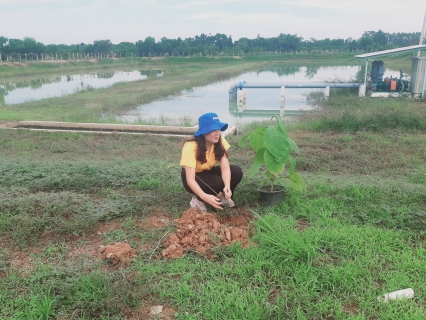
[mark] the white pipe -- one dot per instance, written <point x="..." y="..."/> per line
<point x="365" y="75"/>
<point x="424" y="80"/>
<point x="422" y="34"/>
<point x="326" y="92"/>
<point x="294" y="85"/>
<point x="301" y="85"/>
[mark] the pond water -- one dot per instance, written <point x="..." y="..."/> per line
<point x="260" y="104"/>
<point x="48" y="87"/>
<point x="186" y="107"/>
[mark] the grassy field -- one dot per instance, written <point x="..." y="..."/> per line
<point x="356" y="232"/>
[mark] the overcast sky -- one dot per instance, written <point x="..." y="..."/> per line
<point x="76" y="21"/>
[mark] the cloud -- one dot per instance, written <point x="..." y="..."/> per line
<point x="215" y="3"/>
<point x="129" y="20"/>
<point x="324" y="4"/>
<point x="366" y="7"/>
<point x="30" y="2"/>
<point x="235" y="18"/>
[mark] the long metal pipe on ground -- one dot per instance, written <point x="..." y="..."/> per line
<point x="104" y="127"/>
<point x="107" y="128"/>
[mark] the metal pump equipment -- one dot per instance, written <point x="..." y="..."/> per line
<point x="388" y="84"/>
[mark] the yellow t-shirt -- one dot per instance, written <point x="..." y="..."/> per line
<point x="189" y="156"/>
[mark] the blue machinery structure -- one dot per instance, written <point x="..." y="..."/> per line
<point x="237" y="95"/>
<point x="417" y="83"/>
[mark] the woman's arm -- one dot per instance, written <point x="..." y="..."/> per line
<point x="226" y="176"/>
<point x="193" y="184"/>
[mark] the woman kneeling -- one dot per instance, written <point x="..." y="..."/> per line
<point x="210" y="183"/>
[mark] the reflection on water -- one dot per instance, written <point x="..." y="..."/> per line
<point x="309" y="71"/>
<point x="105" y="75"/>
<point x="281" y="71"/>
<point x="31" y="90"/>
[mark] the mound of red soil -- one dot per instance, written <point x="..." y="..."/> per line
<point x="118" y="253"/>
<point x="202" y="232"/>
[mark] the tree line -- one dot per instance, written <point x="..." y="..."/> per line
<point x="205" y="45"/>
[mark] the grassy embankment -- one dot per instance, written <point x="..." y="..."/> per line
<point x="358" y="230"/>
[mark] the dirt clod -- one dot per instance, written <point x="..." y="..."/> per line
<point x="173" y="251"/>
<point x="156" y="309"/>
<point x="118" y="253"/>
<point x="202" y="232"/>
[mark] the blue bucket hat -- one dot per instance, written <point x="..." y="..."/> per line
<point x="209" y="122"/>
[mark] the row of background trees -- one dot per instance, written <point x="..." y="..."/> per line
<point x="207" y="44"/>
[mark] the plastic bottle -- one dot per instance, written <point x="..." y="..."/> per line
<point x="397" y="295"/>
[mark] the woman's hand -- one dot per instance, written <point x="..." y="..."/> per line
<point x="226" y="176"/>
<point x="212" y="200"/>
<point x="227" y="192"/>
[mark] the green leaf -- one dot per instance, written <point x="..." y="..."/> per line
<point x="280" y="124"/>
<point x="292" y="163"/>
<point x="272" y="165"/>
<point x="257" y="163"/>
<point x="257" y="141"/>
<point x="243" y="139"/>
<point x="260" y="130"/>
<point x="277" y="144"/>
<point x="270" y="176"/>
<point x="293" y="146"/>
<point x="297" y="181"/>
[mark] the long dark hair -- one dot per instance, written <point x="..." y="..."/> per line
<point x="219" y="151"/>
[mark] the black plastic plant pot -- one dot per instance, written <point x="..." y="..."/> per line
<point x="271" y="198"/>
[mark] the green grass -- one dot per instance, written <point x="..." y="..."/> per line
<point x="346" y="112"/>
<point x="364" y="234"/>
<point x="312" y="275"/>
<point x="26" y="68"/>
<point x="357" y="231"/>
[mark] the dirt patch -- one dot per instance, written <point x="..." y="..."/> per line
<point x="351" y="308"/>
<point x="274" y="294"/>
<point x="203" y="231"/>
<point x="154" y="221"/>
<point x="119" y="254"/>
<point x="302" y="225"/>
<point x="58" y="61"/>
<point x="85" y="247"/>
<point x="195" y="231"/>
<point x="53" y="61"/>
<point x="8" y="124"/>
<point x="15" y="64"/>
<point x="108" y="227"/>
<point x="22" y="260"/>
<point x="90" y="248"/>
<point x="325" y="259"/>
